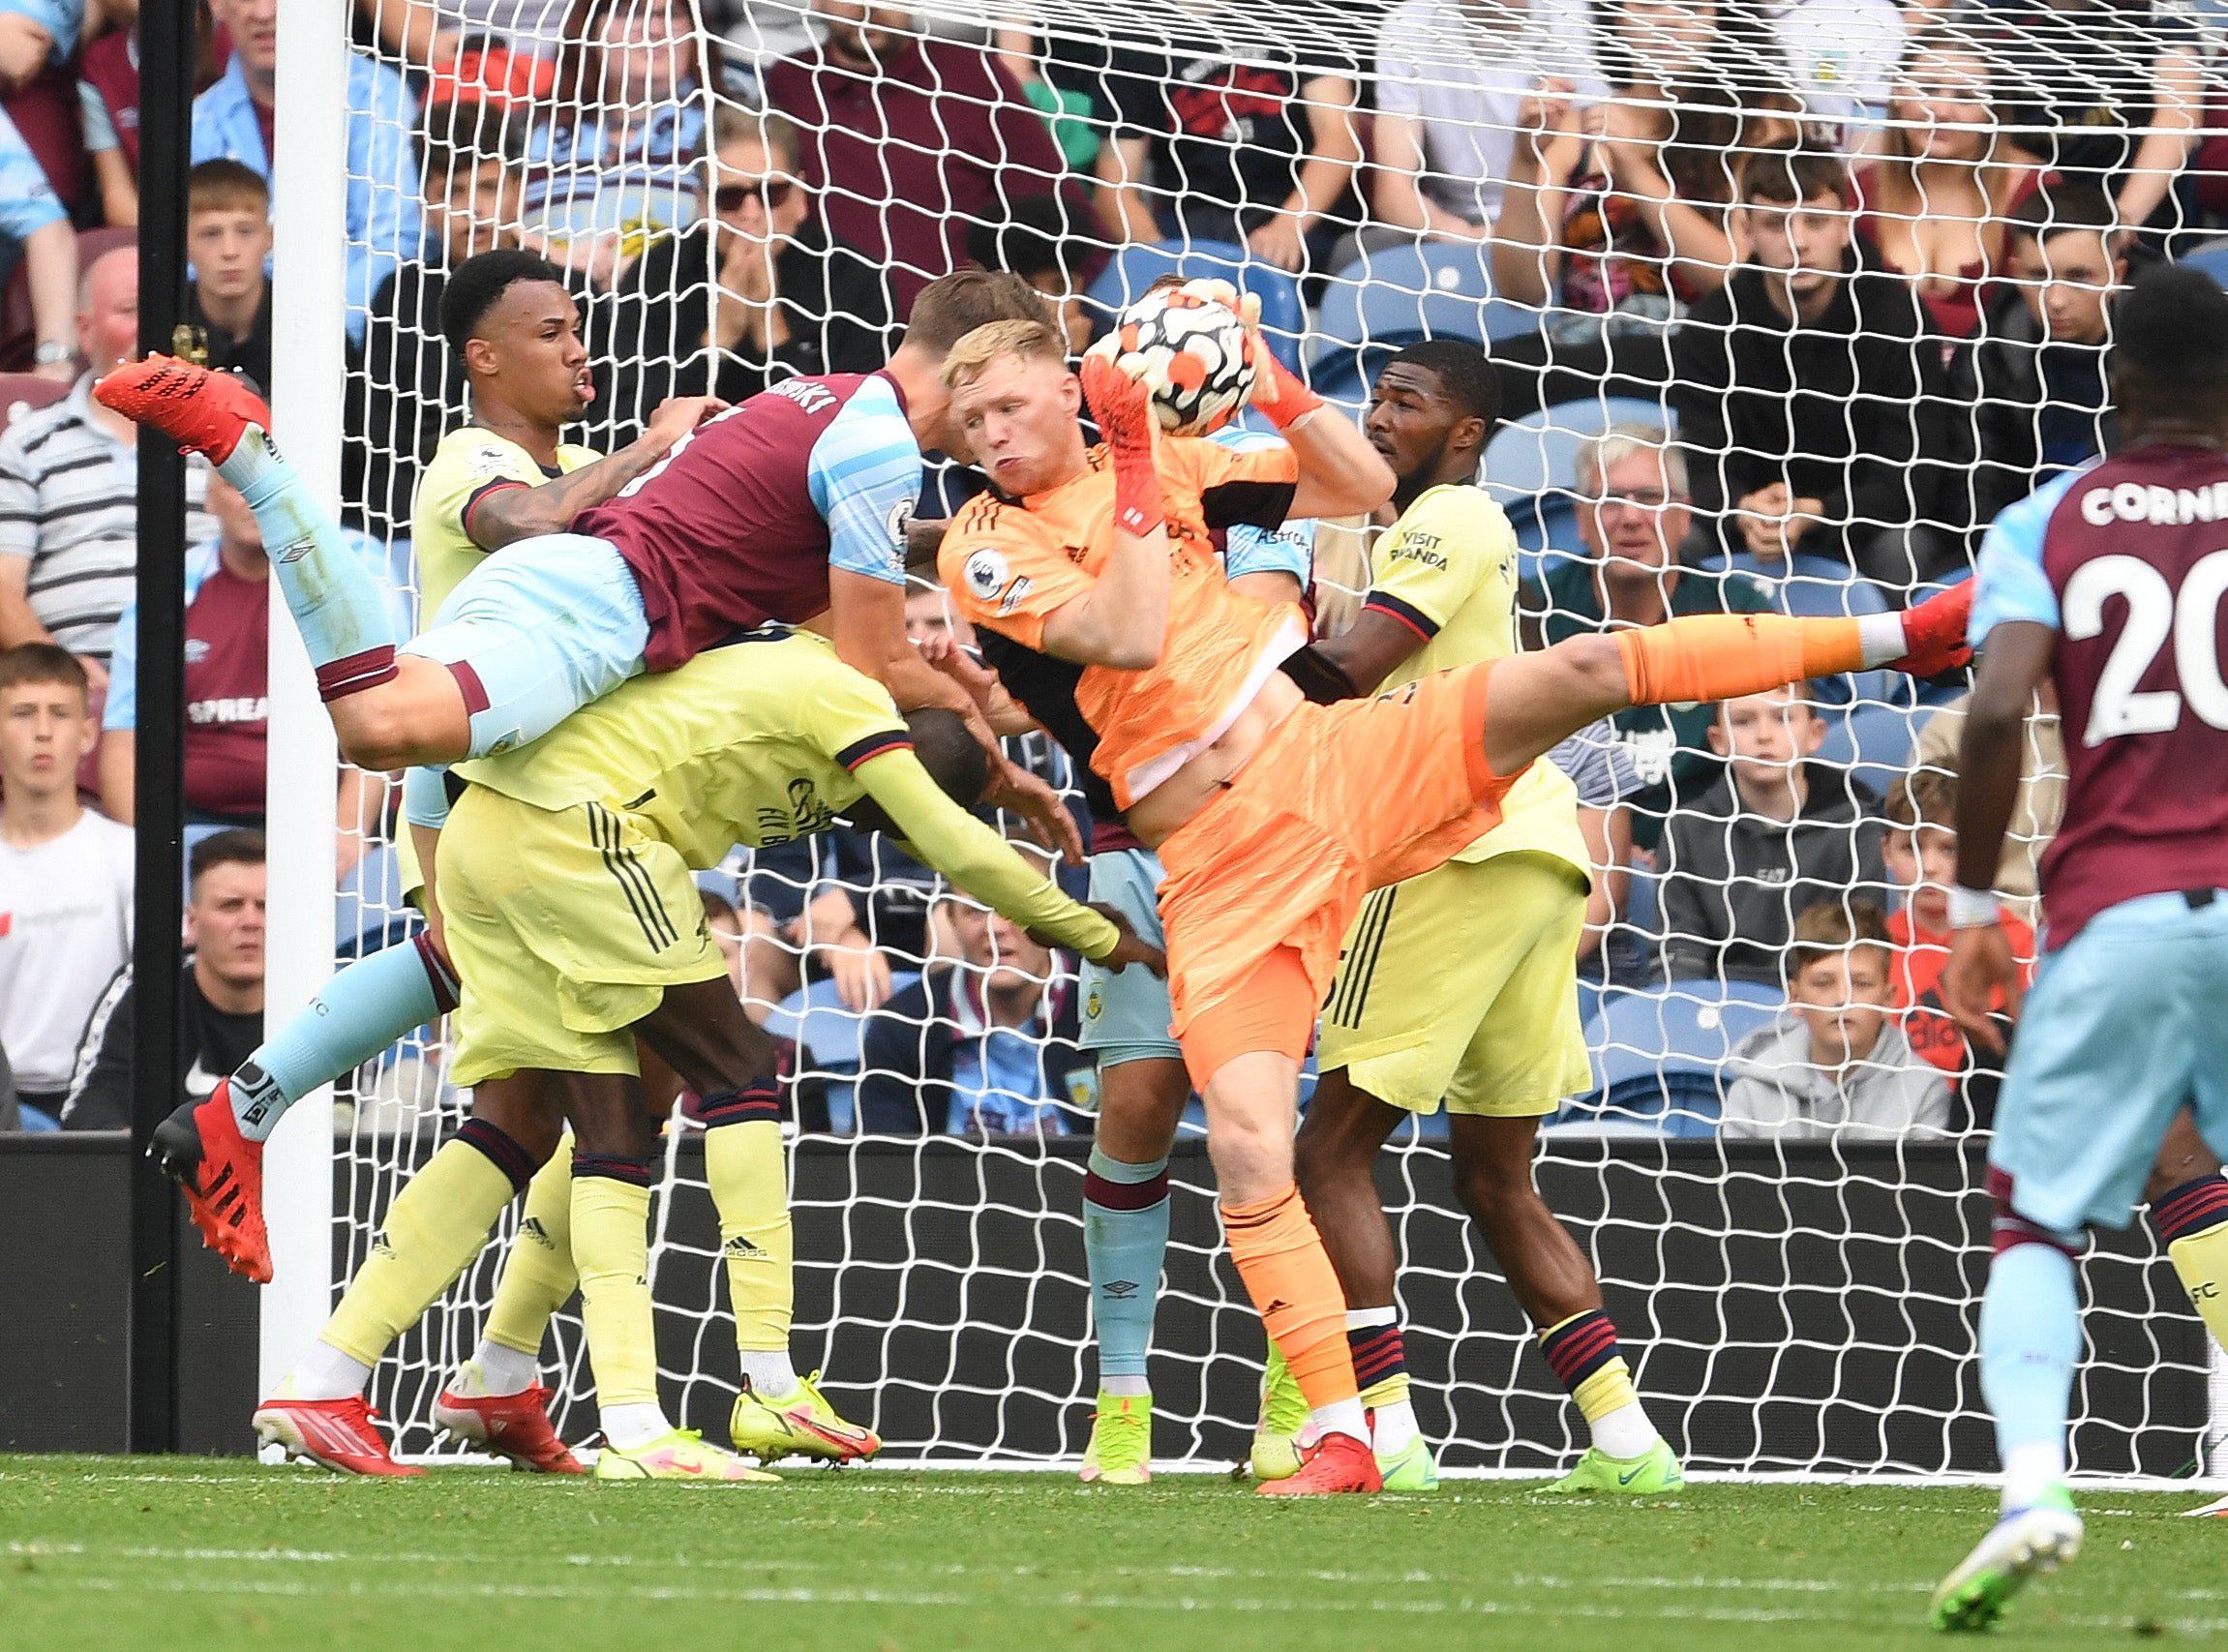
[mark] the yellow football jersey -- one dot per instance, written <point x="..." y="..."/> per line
<point x="760" y="742"/>
<point x="468" y="463"/>
<point x="1447" y="570"/>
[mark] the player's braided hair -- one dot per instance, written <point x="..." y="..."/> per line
<point x="475" y="286"/>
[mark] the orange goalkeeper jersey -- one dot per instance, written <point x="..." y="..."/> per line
<point x="1010" y="563"/>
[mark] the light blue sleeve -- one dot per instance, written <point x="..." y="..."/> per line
<point x="64" y="19"/>
<point x="122" y="711"/>
<point x="864" y="474"/>
<point x="224" y="125"/>
<point x="27" y="202"/>
<point x="386" y="216"/>
<point x="1249" y="550"/>
<point x="93" y="114"/>
<point x="2011" y="583"/>
<point x="1289" y="550"/>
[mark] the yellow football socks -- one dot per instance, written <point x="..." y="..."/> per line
<point x="2193" y="1218"/>
<point x="611" y="1247"/>
<point x="438" y="1223"/>
<point x="539" y="1273"/>
<point x="750" y="1189"/>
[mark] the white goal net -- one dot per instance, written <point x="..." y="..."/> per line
<point x="1783" y="302"/>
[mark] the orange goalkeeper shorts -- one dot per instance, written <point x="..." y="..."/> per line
<point x="1340" y="801"/>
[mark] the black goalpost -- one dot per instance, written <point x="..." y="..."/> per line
<point x="168" y="52"/>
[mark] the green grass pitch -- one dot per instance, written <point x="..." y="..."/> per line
<point x="184" y="1553"/>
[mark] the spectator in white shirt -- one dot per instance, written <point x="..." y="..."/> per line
<point x="65" y="874"/>
<point x="1452" y="77"/>
<point x="1841" y="55"/>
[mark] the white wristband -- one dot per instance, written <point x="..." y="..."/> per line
<point x="1971" y="909"/>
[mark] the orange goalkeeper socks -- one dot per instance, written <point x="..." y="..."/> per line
<point x="1706" y="657"/>
<point x="1282" y="1259"/>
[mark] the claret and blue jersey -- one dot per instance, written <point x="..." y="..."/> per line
<point x="742" y="521"/>
<point x="2126" y="560"/>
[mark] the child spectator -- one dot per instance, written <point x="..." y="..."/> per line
<point x="228" y="238"/>
<point x="1775" y="836"/>
<point x="1921" y="849"/>
<point x="1835" y="1066"/>
<point x="2036" y="806"/>
<point x="66" y="875"/>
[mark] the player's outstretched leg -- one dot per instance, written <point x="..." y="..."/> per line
<point x="435" y="1227"/>
<point x="342" y="612"/>
<point x="495" y="1399"/>
<point x="2030" y="1343"/>
<point x="1142" y="1097"/>
<point x="214" y="1149"/>
<point x="778" y="1414"/>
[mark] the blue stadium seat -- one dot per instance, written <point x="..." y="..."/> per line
<point x="1531" y="465"/>
<point x="1133" y="269"/>
<point x="1437" y="290"/>
<point x="1659" y="1055"/>
<point x="2212" y="261"/>
<point x="1873" y="741"/>
<point x="29" y="1118"/>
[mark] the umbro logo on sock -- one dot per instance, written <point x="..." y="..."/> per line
<point x="743" y="1247"/>
<point x="1121" y="1290"/>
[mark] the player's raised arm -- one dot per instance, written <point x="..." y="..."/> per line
<point x="946" y="836"/>
<point x="504" y="516"/>
<point x="1341" y="474"/>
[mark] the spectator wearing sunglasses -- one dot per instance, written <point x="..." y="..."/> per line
<point x="754" y="293"/>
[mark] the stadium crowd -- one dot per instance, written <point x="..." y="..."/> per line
<point x="1783" y="303"/>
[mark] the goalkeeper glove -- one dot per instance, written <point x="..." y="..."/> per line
<point x="1124" y="411"/>
<point x="1278" y="391"/>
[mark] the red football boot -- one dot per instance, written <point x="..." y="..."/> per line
<point x="337" y="1433"/>
<point x="1341" y="1464"/>
<point x="516" y="1425"/>
<point x="196" y="407"/>
<point x="201" y="1149"/>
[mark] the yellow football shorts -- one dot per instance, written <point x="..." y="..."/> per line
<point x="566" y="928"/>
<point x="1461" y="985"/>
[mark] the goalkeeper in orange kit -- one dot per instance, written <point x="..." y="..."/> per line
<point x="1272" y="815"/>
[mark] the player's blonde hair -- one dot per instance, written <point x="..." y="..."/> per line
<point x="993" y="341"/>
